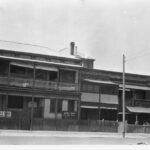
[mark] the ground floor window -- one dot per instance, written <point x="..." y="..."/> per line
<point x="52" y="105"/>
<point x="108" y="114"/>
<point x="96" y="114"/>
<point x="89" y="114"/>
<point x="2" y="101"/>
<point x="38" y="107"/>
<point x="15" y="102"/>
<point x="59" y="106"/>
<point x="71" y="106"/>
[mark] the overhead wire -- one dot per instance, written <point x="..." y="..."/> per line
<point x="16" y="42"/>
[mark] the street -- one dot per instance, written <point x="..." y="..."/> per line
<point x="10" y="137"/>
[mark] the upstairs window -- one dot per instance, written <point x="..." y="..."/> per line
<point x="53" y="76"/>
<point x="91" y="88"/>
<point x="17" y="70"/>
<point x="67" y="76"/>
<point x="21" y="71"/>
<point x="41" y="74"/>
<point x="140" y="94"/>
<point x="108" y="89"/>
<point x="4" y="67"/>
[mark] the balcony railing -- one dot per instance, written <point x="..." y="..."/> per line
<point x="142" y="102"/>
<point x="68" y="86"/>
<point x="3" y="80"/>
<point x="23" y="82"/>
<point x="45" y="84"/>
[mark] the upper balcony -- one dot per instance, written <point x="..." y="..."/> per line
<point x="142" y="102"/>
<point x="43" y="77"/>
<point x="22" y="82"/>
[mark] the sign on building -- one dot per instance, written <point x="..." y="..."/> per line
<point x="6" y="114"/>
<point x="2" y="113"/>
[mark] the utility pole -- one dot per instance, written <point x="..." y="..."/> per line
<point x="123" y="97"/>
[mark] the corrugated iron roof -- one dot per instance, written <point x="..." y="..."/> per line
<point x="138" y="109"/>
<point x="33" y="49"/>
<point x="100" y="81"/>
<point x="135" y="87"/>
<point x="40" y="61"/>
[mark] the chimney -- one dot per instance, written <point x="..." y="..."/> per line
<point x="72" y="48"/>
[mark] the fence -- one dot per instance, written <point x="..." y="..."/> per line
<point x="75" y="125"/>
<point x="130" y="128"/>
<point x="23" y="123"/>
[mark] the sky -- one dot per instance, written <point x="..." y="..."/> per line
<point x="101" y="29"/>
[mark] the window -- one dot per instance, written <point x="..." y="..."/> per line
<point x="140" y="94"/>
<point x="52" y="105"/>
<point x="4" y="67"/>
<point x="21" y="71"/>
<point x="15" y="102"/>
<point x="53" y="76"/>
<point x="59" y="106"/>
<point x="67" y="76"/>
<point x="93" y="88"/>
<point x="107" y="89"/>
<point x="17" y="69"/>
<point x="41" y="74"/>
<point x="71" y="106"/>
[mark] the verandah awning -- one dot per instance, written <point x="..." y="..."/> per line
<point x="135" y="87"/>
<point x="96" y="107"/>
<point x="100" y="81"/>
<point x="46" y="68"/>
<point x="22" y="64"/>
<point x="138" y="110"/>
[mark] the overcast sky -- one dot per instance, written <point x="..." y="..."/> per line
<point x="102" y="29"/>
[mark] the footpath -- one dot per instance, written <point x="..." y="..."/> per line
<point x="70" y="134"/>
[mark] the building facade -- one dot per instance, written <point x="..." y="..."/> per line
<point x="39" y="86"/>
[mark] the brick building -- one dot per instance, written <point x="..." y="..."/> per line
<point x="40" y="88"/>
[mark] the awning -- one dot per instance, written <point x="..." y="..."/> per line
<point x="96" y="107"/>
<point x="125" y="89"/>
<point x="135" y="87"/>
<point x="139" y="110"/>
<point x="113" y="108"/>
<point x="120" y="113"/>
<point x="100" y="81"/>
<point x="40" y="61"/>
<point x="22" y="64"/>
<point x="90" y="107"/>
<point x="46" y="68"/>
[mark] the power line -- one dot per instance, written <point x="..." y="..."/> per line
<point x="16" y="42"/>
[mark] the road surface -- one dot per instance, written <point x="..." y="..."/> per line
<point x="15" y="137"/>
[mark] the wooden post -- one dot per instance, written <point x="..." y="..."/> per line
<point x="8" y="73"/>
<point x="78" y="109"/>
<point x="56" y="101"/>
<point x="133" y="97"/>
<point x="32" y="107"/>
<point x="136" y="119"/>
<point x="99" y="109"/>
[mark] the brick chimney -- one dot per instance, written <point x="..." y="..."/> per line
<point x="72" y="48"/>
